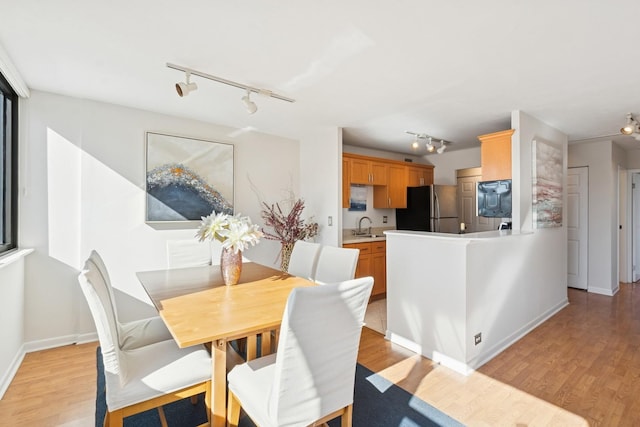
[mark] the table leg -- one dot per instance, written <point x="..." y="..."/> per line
<point x="219" y="383"/>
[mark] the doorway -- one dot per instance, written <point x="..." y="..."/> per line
<point x="635" y="227"/>
<point x="577" y="227"/>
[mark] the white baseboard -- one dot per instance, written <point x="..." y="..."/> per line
<point x="31" y="346"/>
<point x="603" y="291"/>
<point x="7" y="377"/>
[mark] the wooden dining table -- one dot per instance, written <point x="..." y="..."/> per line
<point x="198" y="308"/>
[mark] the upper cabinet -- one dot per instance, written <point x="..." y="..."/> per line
<point x="495" y="155"/>
<point x="368" y="172"/>
<point x="418" y="176"/>
<point x="390" y="178"/>
<point x="394" y="194"/>
<point x="346" y="187"/>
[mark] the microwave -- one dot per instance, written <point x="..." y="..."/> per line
<point x="494" y="198"/>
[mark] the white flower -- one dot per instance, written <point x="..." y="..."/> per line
<point x="235" y="232"/>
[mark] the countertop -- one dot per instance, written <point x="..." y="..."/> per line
<point x="467" y="236"/>
<point x="357" y="239"/>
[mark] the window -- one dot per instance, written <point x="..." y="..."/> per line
<point x="8" y="167"/>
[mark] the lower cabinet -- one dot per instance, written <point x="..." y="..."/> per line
<point x="372" y="261"/>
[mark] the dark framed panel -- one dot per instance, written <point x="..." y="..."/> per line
<point x="8" y="167"/>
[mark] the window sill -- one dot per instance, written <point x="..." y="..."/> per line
<point x="12" y="256"/>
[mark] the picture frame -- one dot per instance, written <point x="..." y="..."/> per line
<point x="546" y="177"/>
<point x="187" y="178"/>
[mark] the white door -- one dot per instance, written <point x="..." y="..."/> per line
<point x="467" y="189"/>
<point x="577" y="227"/>
<point x="635" y="215"/>
<point x="467" y="205"/>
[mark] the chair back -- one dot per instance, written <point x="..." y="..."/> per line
<point x="303" y="259"/>
<point x="336" y="264"/>
<point x="188" y="253"/>
<point x="95" y="290"/>
<point x="317" y="351"/>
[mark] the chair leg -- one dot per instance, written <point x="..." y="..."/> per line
<point x="233" y="411"/>
<point x="163" y="418"/>
<point x="207" y="401"/>
<point x="347" y="417"/>
<point x="114" y="419"/>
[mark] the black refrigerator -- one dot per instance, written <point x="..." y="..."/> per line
<point x="417" y="215"/>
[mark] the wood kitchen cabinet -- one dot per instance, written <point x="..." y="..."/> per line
<point x="367" y="172"/>
<point x="372" y="261"/>
<point x="346" y="185"/>
<point x="394" y="194"/>
<point x="418" y="176"/>
<point x="495" y="155"/>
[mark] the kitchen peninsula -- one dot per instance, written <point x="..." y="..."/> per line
<point x="460" y="299"/>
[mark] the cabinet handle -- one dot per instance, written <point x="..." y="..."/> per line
<point x="389" y="201"/>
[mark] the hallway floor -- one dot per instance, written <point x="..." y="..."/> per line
<point x="376" y="316"/>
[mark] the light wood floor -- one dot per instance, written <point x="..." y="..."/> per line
<point x="581" y="367"/>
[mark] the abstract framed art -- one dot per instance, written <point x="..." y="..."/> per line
<point x="547" y="184"/>
<point x="187" y="178"/>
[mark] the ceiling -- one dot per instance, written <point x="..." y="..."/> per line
<point x="453" y="70"/>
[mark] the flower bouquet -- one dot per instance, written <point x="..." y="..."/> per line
<point x="236" y="233"/>
<point x="287" y="228"/>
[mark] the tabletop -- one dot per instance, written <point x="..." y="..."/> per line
<point x="198" y="307"/>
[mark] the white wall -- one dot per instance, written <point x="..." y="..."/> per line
<point x="447" y="163"/>
<point x="11" y="319"/>
<point x="598" y="156"/>
<point x="82" y="187"/>
<point x="321" y="180"/>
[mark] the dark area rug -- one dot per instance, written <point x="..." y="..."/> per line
<point x="377" y="403"/>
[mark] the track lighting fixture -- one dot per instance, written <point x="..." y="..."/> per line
<point x="183" y="89"/>
<point x="431" y="147"/>
<point x="251" y="106"/>
<point x="632" y="127"/>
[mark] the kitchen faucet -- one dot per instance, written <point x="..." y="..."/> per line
<point x="359" y="231"/>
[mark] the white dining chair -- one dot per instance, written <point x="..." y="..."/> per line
<point x="136" y="333"/>
<point x="146" y="377"/>
<point x="336" y="264"/>
<point x="188" y="253"/>
<point x="310" y="379"/>
<point x="304" y="257"/>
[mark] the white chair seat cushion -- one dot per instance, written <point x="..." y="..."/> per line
<point x="255" y="399"/>
<point x="155" y="370"/>
<point x="139" y="333"/>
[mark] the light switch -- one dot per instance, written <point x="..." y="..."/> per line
<point x="330" y="221"/>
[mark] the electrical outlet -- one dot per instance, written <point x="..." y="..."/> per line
<point x="384" y="219"/>
<point x="478" y="338"/>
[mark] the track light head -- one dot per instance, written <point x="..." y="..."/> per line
<point x="631" y="127"/>
<point x="430" y="146"/>
<point x="442" y="147"/>
<point x="183" y="89"/>
<point x="251" y="106"/>
<point x="415" y="143"/>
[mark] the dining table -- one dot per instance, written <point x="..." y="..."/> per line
<point x="198" y="308"/>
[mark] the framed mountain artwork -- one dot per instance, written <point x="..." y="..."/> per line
<point x="187" y="178"/>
